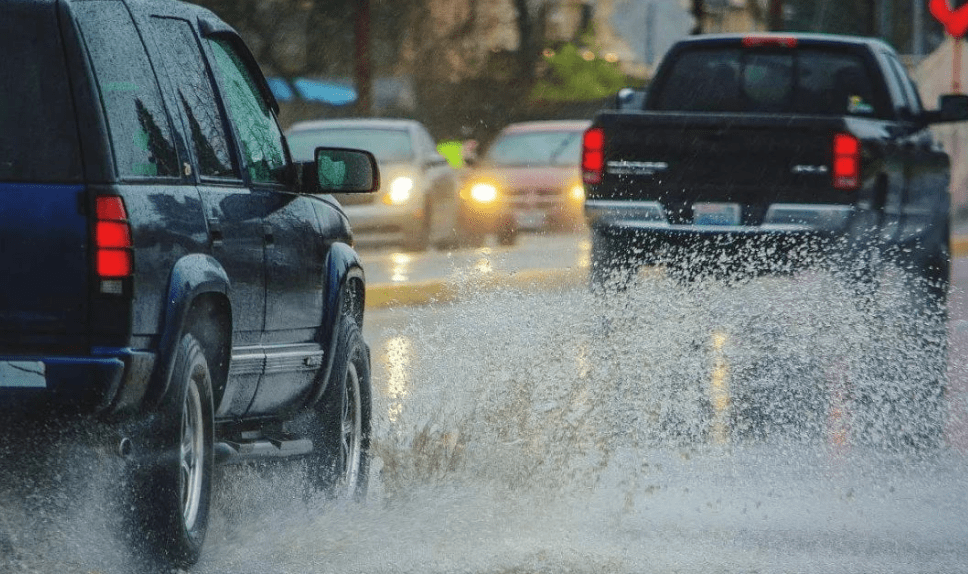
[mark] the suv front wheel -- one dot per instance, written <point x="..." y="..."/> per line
<point x="340" y="422"/>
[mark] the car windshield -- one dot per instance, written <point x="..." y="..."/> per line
<point x="388" y="145"/>
<point x="542" y="148"/>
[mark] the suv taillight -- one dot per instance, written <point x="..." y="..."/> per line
<point x="846" y="164"/>
<point x="593" y="156"/>
<point x="113" y="257"/>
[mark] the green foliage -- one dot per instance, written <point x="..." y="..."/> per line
<point x="572" y="78"/>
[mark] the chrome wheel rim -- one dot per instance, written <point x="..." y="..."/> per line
<point x="192" y="447"/>
<point x="351" y="431"/>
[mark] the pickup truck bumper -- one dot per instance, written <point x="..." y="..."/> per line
<point x="110" y="381"/>
<point x="780" y="219"/>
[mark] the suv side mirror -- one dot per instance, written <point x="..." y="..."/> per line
<point x="340" y="170"/>
<point x="951" y="108"/>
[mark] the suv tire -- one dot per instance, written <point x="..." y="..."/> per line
<point x="340" y="430"/>
<point x="172" y="480"/>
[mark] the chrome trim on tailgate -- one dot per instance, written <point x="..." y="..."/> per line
<point x="780" y="218"/>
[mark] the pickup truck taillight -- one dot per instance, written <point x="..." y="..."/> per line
<point x="846" y="164"/>
<point x="113" y="258"/>
<point x="593" y="156"/>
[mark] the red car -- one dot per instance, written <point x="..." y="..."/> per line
<point x="533" y="167"/>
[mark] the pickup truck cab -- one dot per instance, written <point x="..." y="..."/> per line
<point x="777" y="150"/>
<point x="169" y="272"/>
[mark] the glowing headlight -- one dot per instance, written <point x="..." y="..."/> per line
<point x="483" y="193"/>
<point x="577" y="192"/>
<point x="400" y="191"/>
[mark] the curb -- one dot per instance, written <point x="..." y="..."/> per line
<point x="388" y="295"/>
<point x="959" y="246"/>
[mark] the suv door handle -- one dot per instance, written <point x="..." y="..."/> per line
<point x="215" y="231"/>
<point x="270" y="238"/>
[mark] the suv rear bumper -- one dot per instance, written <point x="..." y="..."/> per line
<point x="112" y="380"/>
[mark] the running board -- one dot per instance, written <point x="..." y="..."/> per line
<point x="244" y="448"/>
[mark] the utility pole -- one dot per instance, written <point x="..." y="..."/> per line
<point x="917" y="28"/>
<point x="774" y="18"/>
<point x="650" y="34"/>
<point x="699" y="13"/>
<point x="364" y="80"/>
<point x="884" y="19"/>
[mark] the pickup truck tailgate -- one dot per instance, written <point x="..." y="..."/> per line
<point x="753" y="160"/>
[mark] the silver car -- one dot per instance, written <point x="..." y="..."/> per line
<point x="419" y="203"/>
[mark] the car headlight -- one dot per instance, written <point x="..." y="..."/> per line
<point x="577" y="192"/>
<point x="401" y="189"/>
<point x="483" y="193"/>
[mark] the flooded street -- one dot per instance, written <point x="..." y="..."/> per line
<point x="670" y="428"/>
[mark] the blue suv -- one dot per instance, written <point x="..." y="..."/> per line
<point x="170" y="272"/>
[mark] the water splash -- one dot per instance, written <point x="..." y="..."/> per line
<point x="700" y="426"/>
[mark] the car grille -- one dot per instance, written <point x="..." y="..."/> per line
<point x="535" y="197"/>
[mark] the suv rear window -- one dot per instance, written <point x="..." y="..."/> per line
<point x="140" y="129"/>
<point x="804" y="81"/>
<point x="38" y="136"/>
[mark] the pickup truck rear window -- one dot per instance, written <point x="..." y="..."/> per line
<point x="802" y="81"/>
<point x="38" y="136"/>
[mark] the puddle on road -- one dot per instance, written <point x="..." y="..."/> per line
<point x="758" y="427"/>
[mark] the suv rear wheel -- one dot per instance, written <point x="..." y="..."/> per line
<point x="172" y="480"/>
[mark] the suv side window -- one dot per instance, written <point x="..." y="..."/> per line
<point x="196" y="97"/>
<point x="141" y="134"/>
<point x="259" y="135"/>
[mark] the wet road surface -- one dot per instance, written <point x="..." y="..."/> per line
<point x="701" y="429"/>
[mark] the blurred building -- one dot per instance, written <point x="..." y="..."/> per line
<point x="728" y="16"/>
<point x="645" y="30"/>
<point x="934" y="77"/>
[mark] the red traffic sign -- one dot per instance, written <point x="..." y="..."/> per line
<point x="954" y="21"/>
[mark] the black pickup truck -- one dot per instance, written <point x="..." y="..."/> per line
<point x="766" y="146"/>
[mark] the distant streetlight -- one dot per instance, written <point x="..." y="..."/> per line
<point x="364" y="82"/>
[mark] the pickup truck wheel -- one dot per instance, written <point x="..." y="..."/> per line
<point x="905" y="405"/>
<point x="172" y="481"/>
<point x="611" y="263"/>
<point x="936" y="280"/>
<point x="507" y="231"/>
<point x="339" y="462"/>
